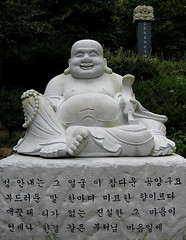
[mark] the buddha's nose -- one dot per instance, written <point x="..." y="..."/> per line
<point x="86" y="58"/>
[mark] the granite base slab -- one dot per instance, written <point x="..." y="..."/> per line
<point x="93" y="198"/>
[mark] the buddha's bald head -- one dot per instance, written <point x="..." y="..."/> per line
<point x="87" y="43"/>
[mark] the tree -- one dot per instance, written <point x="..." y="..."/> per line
<point x="36" y="35"/>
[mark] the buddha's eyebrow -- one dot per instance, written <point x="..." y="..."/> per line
<point x="80" y="50"/>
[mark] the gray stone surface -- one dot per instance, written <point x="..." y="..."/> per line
<point x="93" y="198"/>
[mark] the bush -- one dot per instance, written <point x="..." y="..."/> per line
<point x="164" y="95"/>
<point x="128" y="62"/>
<point x="172" y="67"/>
<point x="179" y="137"/>
<point x="33" y="67"/>
<point x="11" y="114"/>
<point x="9" y="143"/>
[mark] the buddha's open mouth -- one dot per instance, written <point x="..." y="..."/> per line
<point x="86" y="66"/>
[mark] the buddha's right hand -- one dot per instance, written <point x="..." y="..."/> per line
<point x="29" y="93"/>
<point x="30" y="98"/>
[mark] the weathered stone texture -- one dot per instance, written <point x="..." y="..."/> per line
<point x="93" y="198"/>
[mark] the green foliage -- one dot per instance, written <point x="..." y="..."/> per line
<point x="129" y="62"/>
<point x="164" y="95"/>
<point x="9" y="142"/>
<point x="34" y="67"/>
<point x="11" y="108"/>
<point x="38" y="20"/>
<point x="36" y="35"/>
<point x="110" y="22"/>
<point x="173" y="68"/>
<point x="179" y="137"/>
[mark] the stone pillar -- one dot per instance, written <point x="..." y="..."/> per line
<point x="143" y="15"/>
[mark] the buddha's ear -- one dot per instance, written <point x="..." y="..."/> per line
<point x="67" y="71"/>
<point x="105" y="61"/>
<point x="107" y="69"/>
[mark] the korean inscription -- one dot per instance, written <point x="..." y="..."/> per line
<point x="90" y="202"/>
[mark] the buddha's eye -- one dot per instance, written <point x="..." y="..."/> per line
<point x="79" y="54"/>
<point x="93" y="54"/>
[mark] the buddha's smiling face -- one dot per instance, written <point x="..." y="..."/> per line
<point x="87" y="60"/>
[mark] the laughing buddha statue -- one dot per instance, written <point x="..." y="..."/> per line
<point x="89" y="111"/>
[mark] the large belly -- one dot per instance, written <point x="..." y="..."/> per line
<point x="89" y="109"/>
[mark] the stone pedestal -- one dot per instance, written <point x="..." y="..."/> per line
<point x="93" y="198"/>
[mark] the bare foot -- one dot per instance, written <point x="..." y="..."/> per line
<point x="77" y="138"/>
<point x="163" y="151"/>
<point x="54" y="150"/>
<point x="163" y="146"/>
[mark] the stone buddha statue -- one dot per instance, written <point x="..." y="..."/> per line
<point x="89" y="111"/>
